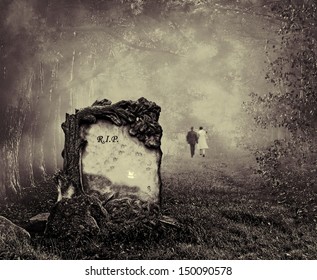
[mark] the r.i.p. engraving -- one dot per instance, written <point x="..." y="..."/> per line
<point x="107" y="139"/>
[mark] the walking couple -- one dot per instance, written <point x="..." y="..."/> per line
<point x="199" y="138"/>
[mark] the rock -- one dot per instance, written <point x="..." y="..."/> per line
<point x="37" y="223"/>
<point x="10" y="232"/>
<point x="40" y="218"/>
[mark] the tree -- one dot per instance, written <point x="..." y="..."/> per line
<point x="292" y="102"/>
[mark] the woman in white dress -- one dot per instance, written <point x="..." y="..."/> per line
<point x="202" y="143"/>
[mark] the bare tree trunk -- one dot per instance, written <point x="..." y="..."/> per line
<point x="30" y="161"/>
<point x="42" y="130"/>
<point x="71" y="93"/>
<point x="26" y="158"/>
<point x="56" y="120"/>
<point x="40" y="124"/>
<point x="26" y="154"/>
<point x="38" y="167"/>
<point x="50" y="118"/>
<point x="59" y="133"/>
<point x="2" y="177"/>
<point x="12" y="179"/>
<point x="16" y="119"/>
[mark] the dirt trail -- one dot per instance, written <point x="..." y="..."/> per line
<point x="235" y="170"/>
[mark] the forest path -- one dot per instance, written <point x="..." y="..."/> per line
<point x="233" y="170"/>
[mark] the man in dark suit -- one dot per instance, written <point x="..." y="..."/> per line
<point x="192" y="140"/>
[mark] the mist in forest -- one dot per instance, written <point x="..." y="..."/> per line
<point x="198" y="64"/>
<point x="244" y="70"/>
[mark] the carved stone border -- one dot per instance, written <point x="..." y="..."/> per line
<point x="140" y="116"/>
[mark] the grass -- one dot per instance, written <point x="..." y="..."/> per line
<point x="224" y="212"/>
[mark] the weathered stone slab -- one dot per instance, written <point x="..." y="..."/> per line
<point x="113" y="150"/>
<point x="115" y="162"/>
<point x="37" y="223"/>
<point x="75" y="219"/>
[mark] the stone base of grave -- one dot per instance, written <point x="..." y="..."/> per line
<point x="77" y="218"/>
<point x="85" y="216"/>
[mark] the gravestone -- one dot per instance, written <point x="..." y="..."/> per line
<point x="115" y="149"/>
<point x="111" y="153"/>
<point x="114" y="162"/>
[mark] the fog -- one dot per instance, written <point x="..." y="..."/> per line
<point x="198" y="62"/>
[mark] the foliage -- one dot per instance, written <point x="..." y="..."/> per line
<point x="292" y="70"/>
<point x="292" y="102"/>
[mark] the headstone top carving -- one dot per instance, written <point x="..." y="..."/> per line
<point x="141" y="115"/>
